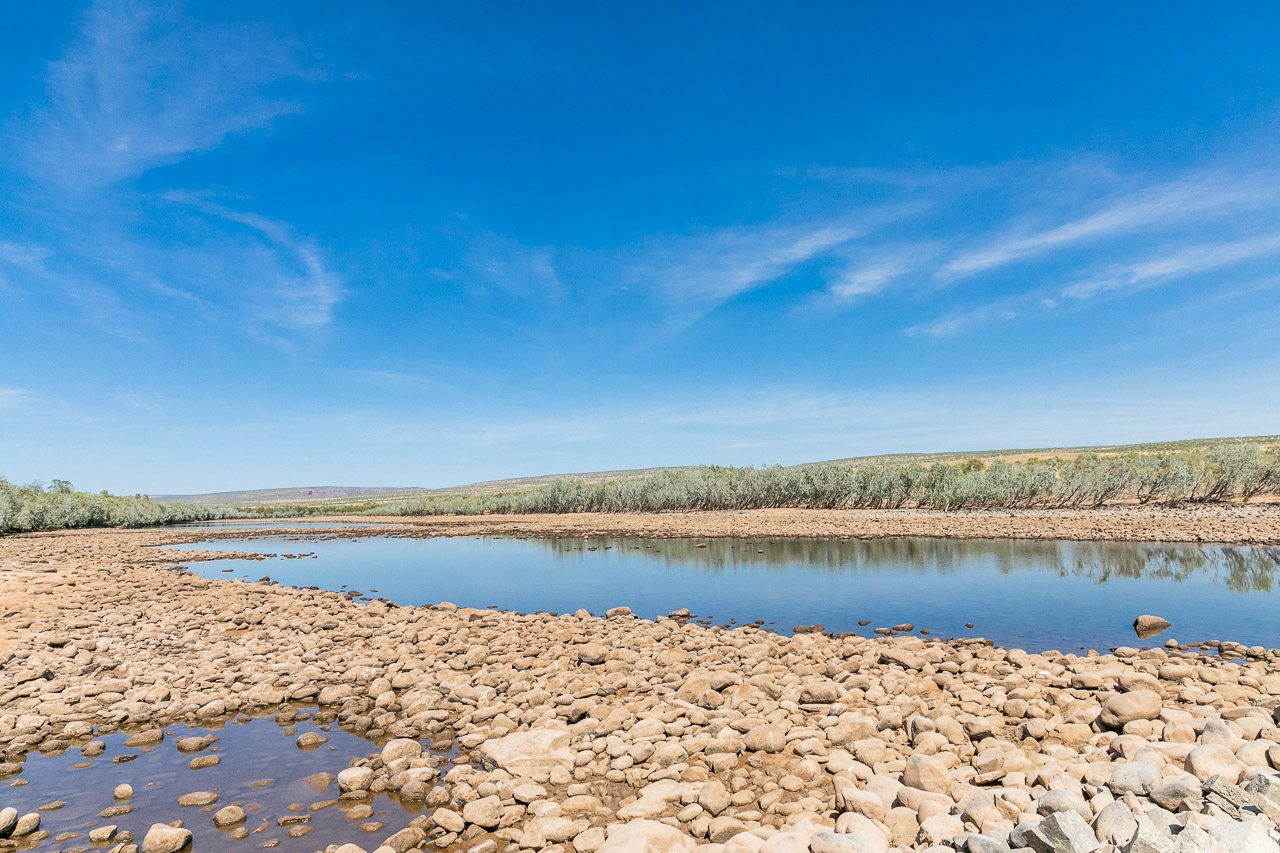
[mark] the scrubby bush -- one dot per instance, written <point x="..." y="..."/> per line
<point x="34" y="507"/>
<point x="1230" y="471"/>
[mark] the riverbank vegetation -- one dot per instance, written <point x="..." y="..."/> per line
<point x="1226" y="471"/>
<point x="1223" y="472"/>
<point x="59" y="506"/>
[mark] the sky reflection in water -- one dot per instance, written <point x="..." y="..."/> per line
<point x="1028" y="594"/>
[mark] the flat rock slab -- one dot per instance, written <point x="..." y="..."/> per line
<point x="532" y="755"/>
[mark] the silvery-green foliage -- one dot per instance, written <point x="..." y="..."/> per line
<point x="1165" y="477"/>
<point x="1235" y="469"/>
<point x="26" y="508"/>
<point x="1230" y="471"/>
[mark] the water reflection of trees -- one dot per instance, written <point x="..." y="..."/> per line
<point x="1244" y="569"/>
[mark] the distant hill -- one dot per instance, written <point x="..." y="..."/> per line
<point x="302" y="493"/>
<point x="327" y="494"/>
<point x="321" y="495"/>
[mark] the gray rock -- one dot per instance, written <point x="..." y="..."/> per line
<point x="1063" y="832"/>
<point x="1134" y="777"/>
<point x="8" y="821"/>
<point x="1246" y="836"/>
<point x="1149" y="838"/>
<point x="976" y="843"/>
<point x="1053" y="802"/>
<point x="1178" y="795"/>
<point x="1115" y="824"/>
<point x="1193" y="839"/>
<point x="834" y="842"/>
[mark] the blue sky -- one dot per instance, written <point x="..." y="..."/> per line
<point x="249" y="245"/>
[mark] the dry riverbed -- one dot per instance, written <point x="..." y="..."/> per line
<point x="581" y="733"/>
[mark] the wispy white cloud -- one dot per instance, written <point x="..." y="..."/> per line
<point x="1170" y="202"/>
<point x="293" y="286"/>
<point x="12" y="398"/>
<point x="1174" y="265"/>
<point x="142" y="85"/>
<point x="25" y="257"/>
<point x="953" y="324"/>
<point x="709" y="269"/>
<point x="497" y="260"/>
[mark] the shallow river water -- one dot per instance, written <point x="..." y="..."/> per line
<point x="1035" y="595"/>
<point x="262" y="770"/>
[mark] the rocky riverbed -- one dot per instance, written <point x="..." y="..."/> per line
<point x="579" y="733"/>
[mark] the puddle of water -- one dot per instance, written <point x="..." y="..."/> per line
<point x="1035" y="595"/>
<point x="253" y="751"/>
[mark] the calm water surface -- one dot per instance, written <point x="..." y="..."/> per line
<point x="253" y="751"/>
<point x="1035" y="595"/>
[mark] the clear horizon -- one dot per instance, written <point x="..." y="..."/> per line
<point x="247" y="247"/>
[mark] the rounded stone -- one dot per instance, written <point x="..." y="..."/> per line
<point x="228" y="816"/>
<point x="355" y="779"/>
<point x="162" y="838"/>
<point x="1134" y="777"/>
<point x="1126" y="707"/>
<point x="485" y="812"/>
<point x="1213" y="760"/>
<point x="400" y="748"/>
<point x="926" y="773"/>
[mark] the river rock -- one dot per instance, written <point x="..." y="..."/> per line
<point x="162" y="838"/>
<point x="228" y="816"/>
<point x="355" y="779"/>
<point x="926" y="773"/>
<point x="646" y="836"/>
<point x="8" y="821"/>
<point x="485" y="812"/>
<point x="1134" y="777"/>
<point x="592" y="653"/>
<point x="1213" y="760"/>
<point x="401" y="748"/>
<point x="1063" y="832"/>
<point x="404" y="840"/>
<point x="1124" y="708"/>
<point x="1148" y="626"/>
<point x="534" y="754"/>
<point x="1179" y="794"/>
<point x="1115" y="824"/>
<point x="311" y="740"/>
<point x="834" y="842"/>
<point x="765" y="738"/>
<point x="151" y="737"/>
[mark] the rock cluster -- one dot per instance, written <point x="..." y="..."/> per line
<point x="581" y="733"/>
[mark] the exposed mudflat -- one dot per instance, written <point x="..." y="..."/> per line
<point x="607" y="732"/>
